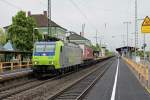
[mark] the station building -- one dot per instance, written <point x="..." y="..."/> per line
<point x="123" y="51"/>
<point x="42" y="25"/>
<point x="129" y="52"/>
<point x="78" y="39"/>
<point x="9" y="54"/>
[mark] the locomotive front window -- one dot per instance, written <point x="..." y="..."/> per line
<point x="50" y="48"/>
<point x="45" y="48"/>
<point x="39" y="48"/>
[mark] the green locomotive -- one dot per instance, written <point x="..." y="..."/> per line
<point x="49" y="57"/>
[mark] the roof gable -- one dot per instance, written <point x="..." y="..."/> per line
<point x="8" y="46"/>
<point x="42" y="21"/>
<point x="1" y="48"/>
<point x="75" y="36"/>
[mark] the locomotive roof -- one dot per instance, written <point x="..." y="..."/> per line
<point x="45" y="42"/>
<point x="53" y="42"/>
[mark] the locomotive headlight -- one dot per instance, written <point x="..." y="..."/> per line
<point x="51" y="62"/>
<point x="44" y="54"/>
<point x="35" y="62"/>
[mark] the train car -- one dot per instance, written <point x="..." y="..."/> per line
<point x="49" y="57"/>
<point x="87" y="52"/>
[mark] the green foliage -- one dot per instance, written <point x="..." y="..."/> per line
<point x="147" y="53"/>
<point x="3" y="37"/>
<point x="96" y="48"/>
<point x="140" y="53"/>
<point x="108" y="53"/>
<point x="21" y="31"/>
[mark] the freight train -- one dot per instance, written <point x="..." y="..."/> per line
<point x="58" y="56"/>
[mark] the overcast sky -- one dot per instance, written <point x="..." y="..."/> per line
<point x="105" y="16"/>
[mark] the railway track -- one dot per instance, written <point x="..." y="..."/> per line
<point x="78" y="90"/>
<point x="8" y="93"/>
<point x="9" y="86"/>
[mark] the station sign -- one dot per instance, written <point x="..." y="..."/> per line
<point x="146" y="25"/>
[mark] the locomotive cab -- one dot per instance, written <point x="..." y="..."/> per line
<point x="46" y="56"/>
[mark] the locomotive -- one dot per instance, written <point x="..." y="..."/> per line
<point x="55" y="56"/>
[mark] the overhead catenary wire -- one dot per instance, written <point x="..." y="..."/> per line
<point x="44" y="5"/>
<point x="80" y="11"/>
<point x="83" y="14"/>
<point x="18" y="7"/>
<point x="10" y="4"/>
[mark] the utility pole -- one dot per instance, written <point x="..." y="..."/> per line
<point x="136" y="28"/>
<point x="49" y="17"/>
<point x="144" y="45"/>
<point x="96" y="37"/>
<point x="83" y="28"/>
<point x="101" y="41"/>
<point x="127" y="31"/>
<point x="127" y="36"/>
<point x="123" y="40"/>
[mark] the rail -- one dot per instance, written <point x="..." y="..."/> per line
<point x="10" y="66"/>
<point x="78" y="89"/>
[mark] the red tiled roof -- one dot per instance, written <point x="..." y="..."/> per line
<point x="42" y="21"/>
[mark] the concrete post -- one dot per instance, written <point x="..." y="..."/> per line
<point x="11" y="66"/>
<point x="1" y="67"/>
<point x="149" y="76"/>
<point x="28" y="64"/>
<point x="146" y="76"/>
<point x="20" y="64"/>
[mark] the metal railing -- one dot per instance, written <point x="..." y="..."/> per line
<point x="10" y="66"/>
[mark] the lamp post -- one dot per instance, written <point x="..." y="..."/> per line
<point x="127" y="29"/>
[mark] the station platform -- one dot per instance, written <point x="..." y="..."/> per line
<point x="15" y="73"/>
<point x="118" y="85"/>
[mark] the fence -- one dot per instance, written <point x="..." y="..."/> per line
<point x="10" y="66"/>
<point x="141" y="71"/>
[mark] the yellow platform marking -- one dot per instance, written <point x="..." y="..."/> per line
<point x="147" y="89"/>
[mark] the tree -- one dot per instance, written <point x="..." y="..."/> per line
<point x="2" y="37"/>
<point x="96" y="47"/>
<point x="140" y="53"/>
<point x="108" y="53"/>
<point x="21" y="31"/>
